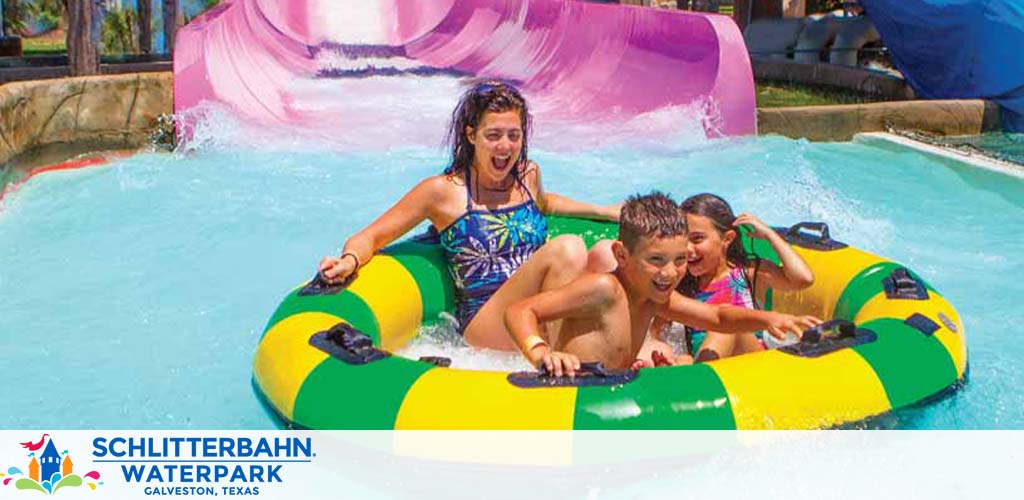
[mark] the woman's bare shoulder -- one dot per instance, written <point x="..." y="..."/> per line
<point x="440" y="186"/>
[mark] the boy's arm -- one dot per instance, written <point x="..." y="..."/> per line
<point x="588" y="295"/>
<point x="729" y="319"/>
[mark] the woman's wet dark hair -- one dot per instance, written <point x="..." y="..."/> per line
<point x="491" y="96"/>
<point x="722" y="217"/>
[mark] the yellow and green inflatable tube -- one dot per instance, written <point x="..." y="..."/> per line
<point x="910" y="348"/>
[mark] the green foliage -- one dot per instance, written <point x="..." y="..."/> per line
<point x="14" y="17"/>
<point x="118" y="35"/>
<point x="49" y="20"/>
<point x="55" y="7"/>
<point x="771" y="94"/>
<point x="43" y="46"/>
<point x="18" y="12"/>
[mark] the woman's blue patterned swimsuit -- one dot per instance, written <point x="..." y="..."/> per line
<point x="483" y="248"/>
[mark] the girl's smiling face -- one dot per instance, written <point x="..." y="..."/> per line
<point x="707" y="246"/>
<point x="497" y="143"/>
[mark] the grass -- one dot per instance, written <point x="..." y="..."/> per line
<point x="43" y="46"/>
<point x="777" y="94"/>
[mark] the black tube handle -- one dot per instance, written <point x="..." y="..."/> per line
<point x="814" y="230"/>
<point x="589" y="374"/>
<point x="319" y="285"/>
<point x="345" y="343"/>
<point x="812" y="235"/>
<point x="836" y="328"/>
<point x="593" y="368"/>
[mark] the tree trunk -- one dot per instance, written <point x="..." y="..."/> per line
<point x="11" y="14"/>
<point x="170" y="24"/>
<point x="146" y="26"/>
<point x="83" y="52"/>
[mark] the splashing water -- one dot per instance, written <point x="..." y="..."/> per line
<point x="384" y="113"/>
<point x="443" y="339"/>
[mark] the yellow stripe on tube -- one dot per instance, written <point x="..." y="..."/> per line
<point x="477" y="400"/>
<point x="393" y="296"/>
<point x="954" y="342"/>
<point x="833" y="270"/>
<point x="775" y="390"/>
<point x="284" y="357"/>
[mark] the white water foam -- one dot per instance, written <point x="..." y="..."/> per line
<point x="355" y="21"/>
<point x="384" y="113"/>
<point x="443" y="340"/>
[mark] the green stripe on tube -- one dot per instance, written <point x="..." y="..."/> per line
<point x="590" y="230"/>
<point x="864" y="286"/>
<point x="910" y="365"/>
<point x="682" y="397"/>
<point x="337" y="395"/>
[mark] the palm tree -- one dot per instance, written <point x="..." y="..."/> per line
<point x="119" y="31"/>
<point x="170" y="24"/>
<point x="83" y="52"/>
<point x="146" y="26"/>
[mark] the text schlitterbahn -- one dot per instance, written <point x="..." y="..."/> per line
<point x="240" y="462"/>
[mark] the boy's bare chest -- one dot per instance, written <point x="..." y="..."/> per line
<point x="640" y="321"/>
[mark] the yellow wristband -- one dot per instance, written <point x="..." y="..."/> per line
<point x="532" y="342"/>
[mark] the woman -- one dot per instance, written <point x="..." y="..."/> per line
<point x="488" y="208"/>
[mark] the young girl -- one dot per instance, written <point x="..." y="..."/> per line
<point x="488" y="209"/>
<point x="720" y="272"/>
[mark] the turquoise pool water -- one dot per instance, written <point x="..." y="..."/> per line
<point x="134" y="294"/>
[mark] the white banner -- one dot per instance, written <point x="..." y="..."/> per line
<point x="116" y="464"/>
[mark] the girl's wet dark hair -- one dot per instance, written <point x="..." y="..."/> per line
<point x="491" y="96"/>
<point x="718" y="211"/>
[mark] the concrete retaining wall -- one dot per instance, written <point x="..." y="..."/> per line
<point x="842" y="122"/>
<point x="107" y="112"/>
<point x="873" y="83"/>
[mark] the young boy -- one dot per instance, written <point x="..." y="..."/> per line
<point x="605" y="316"/>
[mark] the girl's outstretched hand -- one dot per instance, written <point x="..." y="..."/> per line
<point x="336" y="269"/>
<point x="781" y="324"/>
<point x="761" y="230"/>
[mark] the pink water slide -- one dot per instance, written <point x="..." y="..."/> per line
<point x="584" y="60"/>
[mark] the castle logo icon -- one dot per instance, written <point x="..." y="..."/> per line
<point x="48" y="469"/>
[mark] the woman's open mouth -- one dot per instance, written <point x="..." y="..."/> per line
<point x="501" y="162"/>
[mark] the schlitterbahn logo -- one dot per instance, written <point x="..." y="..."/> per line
<point x="193" y="465"/>
<point x="49" y="471"/>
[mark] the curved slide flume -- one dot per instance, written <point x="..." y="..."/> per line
<point x="575" y="59"/>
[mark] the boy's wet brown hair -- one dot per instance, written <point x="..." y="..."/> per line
<point x="652" y="215"/>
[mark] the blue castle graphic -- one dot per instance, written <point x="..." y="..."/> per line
<point x="49" y="461"/>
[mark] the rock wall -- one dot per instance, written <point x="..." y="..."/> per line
<point x="109" y="111"/>
<point x="842" y="122"/>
